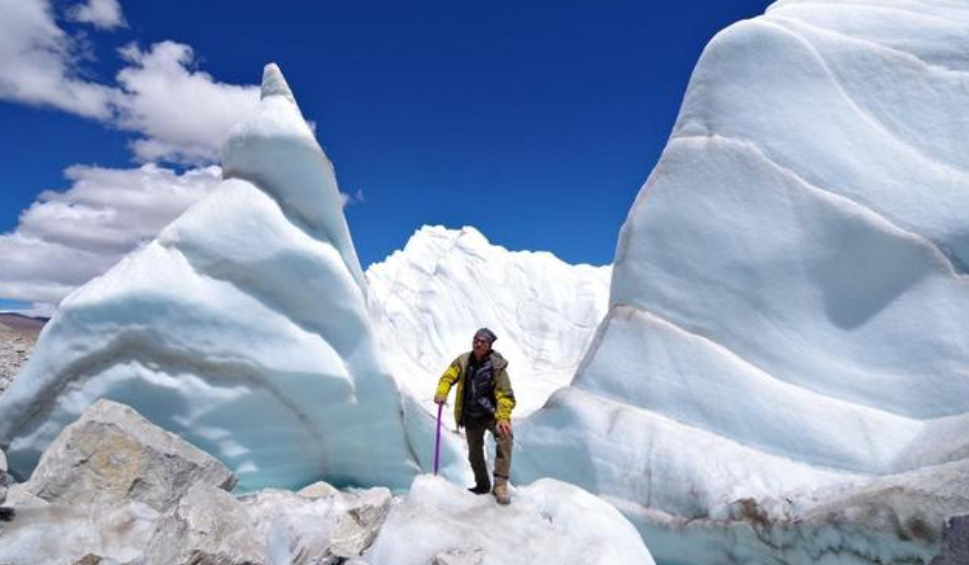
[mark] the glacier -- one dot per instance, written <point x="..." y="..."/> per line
<point x="428" y="299"/>
<point x="782" y="374"/>
<point x="243" y="328"/>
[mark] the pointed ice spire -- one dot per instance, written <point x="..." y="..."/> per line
<point x="275" y="150"/>
<point x="274" y="83"/>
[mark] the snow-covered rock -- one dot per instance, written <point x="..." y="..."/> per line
<point x="243" y="328"/>
<point x="547" y="522"/>
<point x="298" y="529"/>
<point x="111" y="454"/>
<point x="427" y="300"/>
<point x="786" y="324"/>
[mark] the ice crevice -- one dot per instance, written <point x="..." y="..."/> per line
<point x="879" y="218"/>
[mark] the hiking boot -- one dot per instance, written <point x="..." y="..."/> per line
<point x="480" y="489"/>
<point x="501" y="494"/>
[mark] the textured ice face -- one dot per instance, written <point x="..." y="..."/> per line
<point x="243" y="328"/>
<point x="427" y="300"/>
<point x="275" y="150"/>
<point x="789" y="296"/>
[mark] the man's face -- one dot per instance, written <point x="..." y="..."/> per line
<point x="480" y="347"/>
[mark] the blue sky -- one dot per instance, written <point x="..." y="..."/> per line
<point x="536" y="122"/>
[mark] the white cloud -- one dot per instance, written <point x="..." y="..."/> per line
<point x="41" y="272"/>
<point x="184" y="115"/>
<point x="38" y="62"/>
<point x="181" y="114"/>
<point x="102" y="14"/>
<point x="67" y="238"/>
<point x="347" y="199"/>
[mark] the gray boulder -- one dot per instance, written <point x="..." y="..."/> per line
<point x="318" y="490"/>
<point x="111" y="455"/>
<point x="207" y="527"/>
<point x="365" y="512"/>
<point x="115" y="489"/>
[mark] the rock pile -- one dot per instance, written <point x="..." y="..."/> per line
<point x="113" y="488"/>
<point x="15" y="349"/>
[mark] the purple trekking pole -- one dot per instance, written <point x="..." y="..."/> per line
<point x="437" y="440"/>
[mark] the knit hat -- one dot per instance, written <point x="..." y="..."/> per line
<point x="485" y="334"/>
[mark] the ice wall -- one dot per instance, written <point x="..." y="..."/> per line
<point x="787" y="315"/>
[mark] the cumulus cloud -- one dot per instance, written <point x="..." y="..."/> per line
<point x="347" y="199"/>
<point x="39" y="63"/>
<point x="102" y="14"/>
<point x="183" y="115"/>
<point x="67" y="238"/>
<point x="43" y="273"/>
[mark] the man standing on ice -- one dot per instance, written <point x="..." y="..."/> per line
<point x="483" y="401"/>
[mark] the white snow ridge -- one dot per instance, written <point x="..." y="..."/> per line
<point x="427" y="300"/>
<point x="783" y="376"/>
<point x="243" y="328"/>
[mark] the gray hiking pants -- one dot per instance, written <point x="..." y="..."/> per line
<point x="475" y="432"/>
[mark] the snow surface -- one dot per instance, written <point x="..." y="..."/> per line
<point x="788" y="303"/>
<point x="547" y="522"/>
<point x="243" y="328"/>
<point x="427" y="301"/>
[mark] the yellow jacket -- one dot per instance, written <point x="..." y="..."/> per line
<point x="504" y="396"/>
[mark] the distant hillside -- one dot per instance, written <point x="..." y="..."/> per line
<point x="17" y="337"/>
<point x="22" y="323"/>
